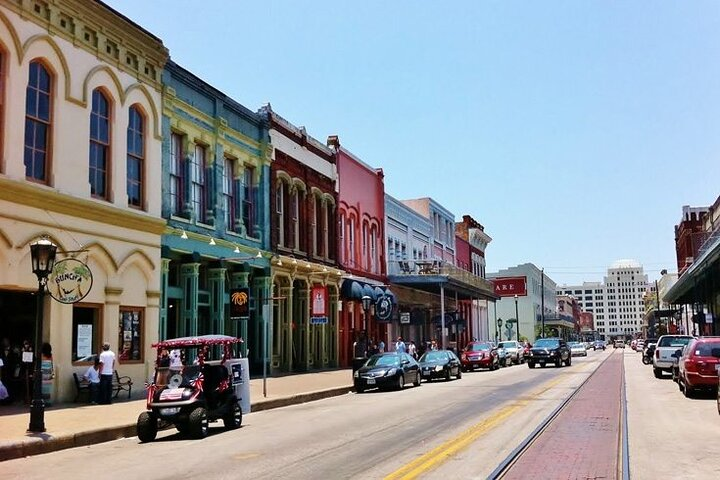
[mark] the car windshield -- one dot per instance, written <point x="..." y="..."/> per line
<point x="547" y="343"/>
<point x="383" y="361"/>
<point x="508" y="345"/>
<point x="705" y="349"/>
<point x="433" y="357"/>
<point x="478" y="347"/>
<point x="674" y="341"/>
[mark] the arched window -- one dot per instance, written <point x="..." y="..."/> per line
<point x="135" y="158"/>
<point x="99" y="145"/>
<point x="38" y="104"/>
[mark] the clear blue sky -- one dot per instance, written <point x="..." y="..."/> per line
<point x="574" y="131"/>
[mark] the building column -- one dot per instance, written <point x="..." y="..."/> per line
<point x="189" y="275"/>
<point x="303" y="318"/>
<point x="332" y="336"/>
<point x="164" y="275"/>
<point x="218" y="289"/>
<point x="240" y="328"/>
<point x="262" y="291"/>
<point x="152" y="310"/>
<point x="286" y="362"/>
<point x="111" y="316"/>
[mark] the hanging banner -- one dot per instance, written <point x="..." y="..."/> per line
<point x="70" y="281"/>
<point x="383" y="308"/>
<point x="319" y="301"/>
<point x="239" y="303"/>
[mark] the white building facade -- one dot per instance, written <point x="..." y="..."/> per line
<point x="617" y="303"/>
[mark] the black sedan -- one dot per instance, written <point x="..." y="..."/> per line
<point x="387" y="370"/>
<point x="440" y="364"/>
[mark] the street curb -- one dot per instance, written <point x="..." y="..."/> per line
<point x="46" y="444"/>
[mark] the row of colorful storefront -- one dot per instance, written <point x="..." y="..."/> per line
<point x="175" y="196"/>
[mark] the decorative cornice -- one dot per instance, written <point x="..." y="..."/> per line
<point x="46" y="198"/>
<point x="102" y="31"/>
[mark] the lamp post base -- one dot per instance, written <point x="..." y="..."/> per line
<point x="37" y="416"/>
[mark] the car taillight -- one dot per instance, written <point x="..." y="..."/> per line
<point x="657" y="353"/>
<point x="691" y="365"/>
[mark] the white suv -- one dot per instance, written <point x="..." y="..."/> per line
<point x="665" y="356"/>
<point x="514" y="351"/>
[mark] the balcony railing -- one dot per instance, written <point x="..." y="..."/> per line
<point x="438" y="267"/>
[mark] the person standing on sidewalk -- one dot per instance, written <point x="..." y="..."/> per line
<point x="107" y="368"/>
<point x="92" y="376"/>
<point x="400" y="346"/>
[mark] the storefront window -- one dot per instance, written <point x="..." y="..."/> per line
<point x="130" y="334"/>
<point x="85" y="332"/>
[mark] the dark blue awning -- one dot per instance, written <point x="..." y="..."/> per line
<point x="356" y="289"/>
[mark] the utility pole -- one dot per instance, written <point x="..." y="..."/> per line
<point x="542" y="301"/>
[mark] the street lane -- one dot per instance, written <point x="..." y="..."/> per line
<point x="352" y="436"/>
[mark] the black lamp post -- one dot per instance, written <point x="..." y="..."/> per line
<point x="42" y="254"/>
<point x="517" y="319"/>
<point x="499" y="326"/>
<point x="366" y="302"/>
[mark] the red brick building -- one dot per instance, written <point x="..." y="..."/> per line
<point x="689" y="235"/>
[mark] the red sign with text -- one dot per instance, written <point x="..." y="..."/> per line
<point x="510" y="286"/>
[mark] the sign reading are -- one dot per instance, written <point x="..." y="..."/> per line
<point x="70" y="281"/>
<point x="510" y="286"/>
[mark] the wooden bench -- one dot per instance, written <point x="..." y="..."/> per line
<point x="118" y="384"/>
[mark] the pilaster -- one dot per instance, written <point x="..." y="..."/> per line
<point x="189" y="275"/>
<point x="218" y="289"/>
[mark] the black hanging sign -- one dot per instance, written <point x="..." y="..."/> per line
<point x="239" y="303"/>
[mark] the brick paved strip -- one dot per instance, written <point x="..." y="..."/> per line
<point x="583" y="441"/>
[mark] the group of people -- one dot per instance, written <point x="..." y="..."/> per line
<point x="400" y="346"/>
<point x="100" y="375"/>
<point x="17" y="367"/>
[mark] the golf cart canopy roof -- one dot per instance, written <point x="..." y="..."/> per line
<point x="197" y="341"/>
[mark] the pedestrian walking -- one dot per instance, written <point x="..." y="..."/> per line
<point x="107" y="369"/>
<point x="381" y="347"/>
<point x="400" y="346"/>
<point x="412" y="349"/>
<point x="92" y="376"/>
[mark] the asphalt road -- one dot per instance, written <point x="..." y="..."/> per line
<point x="439" y="430"/>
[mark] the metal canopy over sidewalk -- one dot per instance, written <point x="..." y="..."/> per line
<point x="702" y="276"/>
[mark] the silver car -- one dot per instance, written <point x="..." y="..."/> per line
<point x="514" y="351"/>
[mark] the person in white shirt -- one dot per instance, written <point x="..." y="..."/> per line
<point x="107" y="368"/>
<point x="92" y="376"/>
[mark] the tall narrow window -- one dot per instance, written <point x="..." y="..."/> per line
<point x="294" y="219"/>
<point x="373" y="251"/>
<point x="324" y="229"/>
<point x="316" y="221"/>
<point x="99" y="145"/>
<point x="197" y="183"/>
<point x="364" y="256"/>
<point x="351" y="241"/>
<point x="280" y="211"/>
<point x="38" y="100"/>
<point x="343" y="247"/>
<point x="135" y="158"/>
<point x="176" y="168"/>
<point x="228" y="191"/>
<point x="248" y="211"/>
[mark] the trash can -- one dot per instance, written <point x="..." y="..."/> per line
<point x="357" y="363"/>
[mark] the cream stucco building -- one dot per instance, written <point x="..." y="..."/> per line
<point x="81" y="163"/>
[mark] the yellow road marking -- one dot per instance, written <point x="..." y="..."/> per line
<point x="440" y="454"/>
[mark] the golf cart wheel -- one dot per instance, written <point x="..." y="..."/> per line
<point x="233" y="419"/>
<point x="147" y="427"/>
<point x="198" y="423"/>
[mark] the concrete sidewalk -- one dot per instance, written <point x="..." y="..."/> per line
<point x="74" y="425"/>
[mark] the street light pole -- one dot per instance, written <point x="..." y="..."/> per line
<point x="366" y="301"/>
<point x="517" y="319"/>
<point x="499" y="326"/>
<point x="542" y="301"/>
<point x="42" y="255"/>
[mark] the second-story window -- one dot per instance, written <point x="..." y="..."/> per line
<point x="364" y="256"/>
<point x="38" y="105"/>
<point x="341" y="229"/>
<point x="135" y="158"/>
<point x="249" y="202"/>
<point x="228" y="191"/>
<point x="373" y="251"/>
<point x="280" y="211"/>
<point x="351" y="241"/>
<point x="197" y="183"/>
<point x="293" y="227"/>
<point x="176" y="168"/>
<point x="324" y="225"/>
<point x="99" y="145"/>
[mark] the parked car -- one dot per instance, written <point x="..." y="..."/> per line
<point x="598" y="345"/>
<point x="440" y="364"/>
<point x="514" y="351"/>
<point x="549" y="350"/>
<point x="480" y="355"/>
<point x="698" y="366"/>
<point x="577" y="349"/>
<point x="665" y="352"/>
<point x="194" y="395"/>
<point x="619" y="344"/>
<point x="387" y="370"/>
